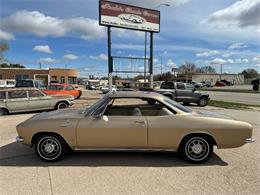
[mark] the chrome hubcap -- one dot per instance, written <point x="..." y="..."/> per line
<point x="49" y="147"/>
<point x="197" y="148"/>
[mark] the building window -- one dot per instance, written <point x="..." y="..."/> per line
<point x="72" y="80"/>
<point x="21" y="76"/>
<point x="62" y="79"/>
<point x="54" y="78"/>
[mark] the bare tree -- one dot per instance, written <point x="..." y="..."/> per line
<point x="187" y="69"/>
<point x="3" y="47"/>
<point x="206" y="69"/>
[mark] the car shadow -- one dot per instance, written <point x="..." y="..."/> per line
<point x="18" y="155"/>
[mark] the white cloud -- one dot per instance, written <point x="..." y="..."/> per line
<point x="155" y="3"/>
<point x="48" y="61"/>
<point x="257" y="65"/>
<point x="256" y="58"/>
<point x="6" y="36"/>
<point x="70" y="57"/>
<point x="171" y="64"/>
<point x="230" y="61"/>
<point x="42" y="48"/>
<point x="227" y="54"/>
<point x="218" y="61"/>
<point x="101" y="56"/>
<point x="37" y="23"/>
<point x="207" y="53"/>
<point x="237" y="46"/>
<point x="242" y="13"/>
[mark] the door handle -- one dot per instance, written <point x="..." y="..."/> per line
<point x="140" y="122"/>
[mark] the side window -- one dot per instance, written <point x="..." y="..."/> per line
<point x="167" y="85"/>
<point x="69" y="87"/>
<point x="36" y="84"/>
<point x="180" y="86"/>
<point x="17" y="94"/>
<point x="35" y="93"/>
<point x="2" y="95"/>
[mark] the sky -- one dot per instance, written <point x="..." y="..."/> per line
<point x="66" y="33"/>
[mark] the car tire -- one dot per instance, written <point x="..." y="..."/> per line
<point x="3" y="111"/>
<point x="80" y="93"/>
<point x="186" y="103"/>
<point x="50" y="147"/>
<point x="196" y="149"/>
<point x="203" y="101"/>
<point x="62" y="105"/>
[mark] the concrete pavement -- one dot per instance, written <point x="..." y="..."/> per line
<point x="230" y="171"/>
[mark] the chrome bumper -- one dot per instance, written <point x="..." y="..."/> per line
<point x="19" y="139"/>
<point x="250" y="140"/>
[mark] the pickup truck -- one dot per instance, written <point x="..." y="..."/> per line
<point x="183" y="92"/>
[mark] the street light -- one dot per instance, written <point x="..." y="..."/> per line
<point x="145" y="40"/>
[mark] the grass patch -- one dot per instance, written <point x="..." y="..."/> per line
<point x="230" y="105"/>
<point x="231" y="90"/>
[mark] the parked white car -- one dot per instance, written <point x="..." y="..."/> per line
<point x="6" y="83"/>
<point x="106" y="89"/>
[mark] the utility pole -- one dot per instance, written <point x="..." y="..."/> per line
<point x="221" y="71"/>
<point x="161" y="66"/>
<point x="145" y="64"/>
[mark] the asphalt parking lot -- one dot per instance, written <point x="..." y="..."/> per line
<point x="230" y="171"/>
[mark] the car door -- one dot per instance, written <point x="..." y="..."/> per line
<point x="112" y="130"/>
<point x="38" y="100"/>
<point x="163" y="128"/>
<point x="17" y="101"/>
<point x="183" y="94"/>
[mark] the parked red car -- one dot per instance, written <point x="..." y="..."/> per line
<point x="220" y="84"/>
<point x="62" y="89"/>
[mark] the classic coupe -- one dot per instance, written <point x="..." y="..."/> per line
<point x="143" y="121"/>
<point x="62" y="89"/>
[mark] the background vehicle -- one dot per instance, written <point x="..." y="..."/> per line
<point x="228" y="83"/>
<point x="63" y="89"/>
<point x="183" y="92"/>
<point x="197" y="85"/>
<point x="220" y="84"/>
<point x="30" y="83"/>
<point x="106" y="89"/>
<point x="206" y="84"/>
<point x="7" y="83"/>
<point x="30" y="99"/>
<point x="255" y="84"/>
<point x="127" y="121"/>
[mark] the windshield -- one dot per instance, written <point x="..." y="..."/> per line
<point x="94" y="106"/>
<point x="177" y="105"/>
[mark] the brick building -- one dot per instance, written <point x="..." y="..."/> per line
<point x="60" y="75"/>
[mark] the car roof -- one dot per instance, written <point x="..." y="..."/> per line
<point x="58" y="84"/>
<point x="135" y="94"/>
<point x="18" y="88"/>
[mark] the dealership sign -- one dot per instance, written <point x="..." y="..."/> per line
<point x="127" y="16"/>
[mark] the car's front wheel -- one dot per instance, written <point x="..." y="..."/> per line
<point x="203" y="101"/>
<point x="50" y="147"/>
<point x="3" y="111"/>
<point x="196" y="149"/>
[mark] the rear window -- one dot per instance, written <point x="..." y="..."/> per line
<point x="167" y="85"/>
<point x="35" y="93"/>
<point x="2" y="95"/>
<point x="17" y="94"/>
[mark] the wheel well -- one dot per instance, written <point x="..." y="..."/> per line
<point x="204" y="135"/>
<point x="37" y="135"/>
<point x="204" y="96"/>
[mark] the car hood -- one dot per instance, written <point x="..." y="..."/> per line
<point x="59" y="114"/>
<point x="206" y="113"/>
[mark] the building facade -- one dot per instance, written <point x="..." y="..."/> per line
<point x="59" y="75"/>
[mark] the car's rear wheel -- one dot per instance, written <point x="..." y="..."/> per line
<point x="196" y="149"/>
<point x="203" y="101"/>
<point x="50" y="147"/>
<point x="79" y="95"/>
<point x="3" y="111"/>
<point x="62" y="105"/>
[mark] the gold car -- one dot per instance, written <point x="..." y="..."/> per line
<point x="133" y="121"/>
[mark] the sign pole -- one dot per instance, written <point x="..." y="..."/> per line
<point x="110" y="65"/>
<point x="151" y="60"/>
